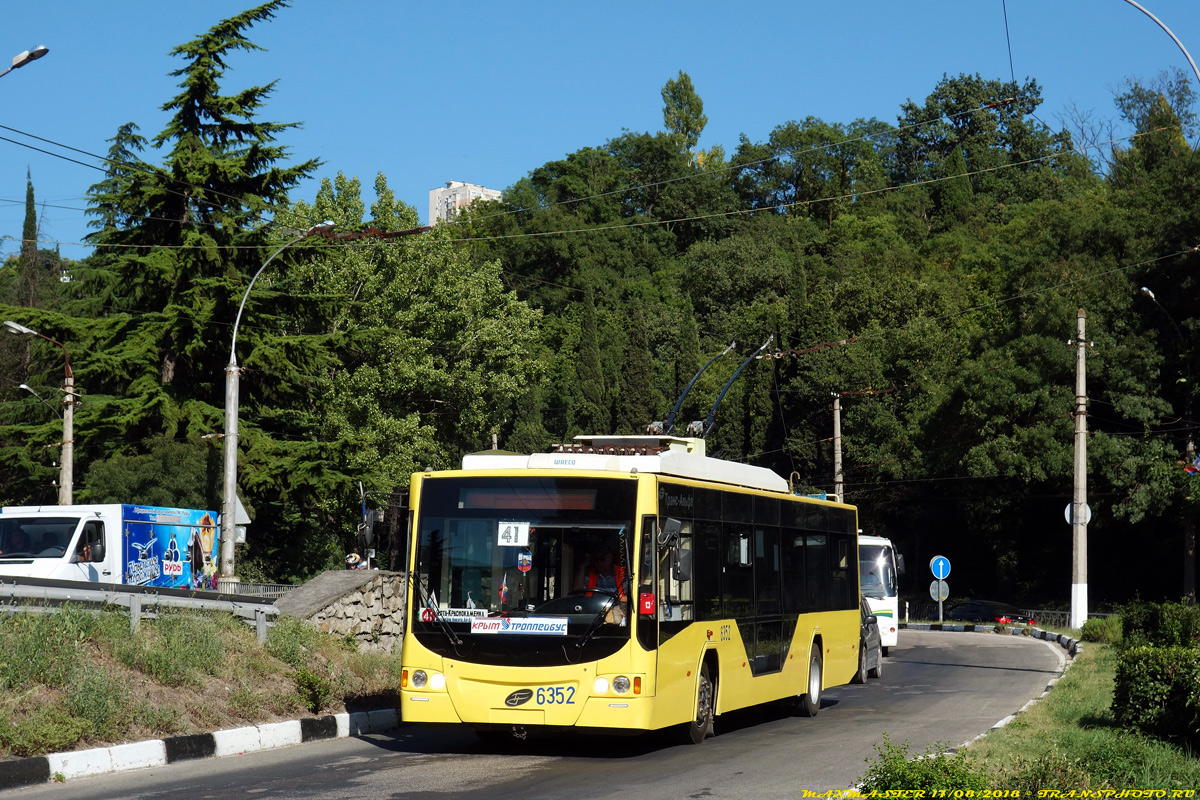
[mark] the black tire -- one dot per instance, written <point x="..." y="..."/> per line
<point x="809" y="703"/>
<point x="884" y="651"/>
<point x="877" y="671"/>
<point x="701" y="727"/>
<point x="861" y="675"/>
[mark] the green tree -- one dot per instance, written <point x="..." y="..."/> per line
<point x="592" y="414"/>
<point x="171" y="473"/>
<point x="29" y="232"/>
<point x="683" y="110"/>
<point x="635" y="405"/>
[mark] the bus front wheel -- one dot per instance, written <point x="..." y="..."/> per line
<point x="809" y="703"/>
<point x="701" y="727"/>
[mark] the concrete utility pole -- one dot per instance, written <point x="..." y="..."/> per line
<point x="66" y="469"/>
<point x="1079" y="508"/>
<point x="838" y="481"/>
<point x="228" y="581"/>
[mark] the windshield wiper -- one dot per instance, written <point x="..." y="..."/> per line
<point x="601" y="615"/>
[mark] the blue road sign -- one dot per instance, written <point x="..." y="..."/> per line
<point x="940" y="565"/>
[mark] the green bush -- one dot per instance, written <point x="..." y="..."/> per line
<point x="1052" y="770"/>
<point x="1157" y="692"/>
<point x="1161" y="624"/>
<point x="1106" y="630"/>
<point x="105" y="704"/>
<point x="177" y="646"/>
<point x="43" y="648"/>
<point x="315" y="691"/>
<point x="48" y="729"/>
<point x="292" y="641"/>
<point x="896" y="769"/>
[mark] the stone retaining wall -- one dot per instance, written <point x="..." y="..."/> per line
<point x="365" y="605"/>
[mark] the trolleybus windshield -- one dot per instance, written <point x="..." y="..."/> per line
<point x="524" y="570"/>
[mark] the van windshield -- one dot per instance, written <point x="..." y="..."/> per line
<point x="36" y="537"/>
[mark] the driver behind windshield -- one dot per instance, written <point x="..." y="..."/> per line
<point x="601" y="571"/>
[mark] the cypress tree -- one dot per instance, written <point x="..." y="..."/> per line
<point x="29" y="237"/>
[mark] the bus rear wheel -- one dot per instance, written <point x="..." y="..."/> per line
<point x="809" y="703"/>
<point x="701" y="727"/>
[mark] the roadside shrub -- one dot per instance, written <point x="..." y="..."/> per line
<point x="46" y="729"/>
<point x="43" y="648"/>
<point x="1157" y="692"/>
<point x="1161" y="624"/>
<point x="1052" y="770"/>
<point x="177" y="647"/>
<point x="158" y="720"/>
<point x="292" y="641"/>
<point x="896" y="769"/>
<point x="315" y="691"/>
<point x="1106" y="630"/>
<point x="106" y="705"/>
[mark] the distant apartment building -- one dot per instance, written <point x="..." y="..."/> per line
<point x="445" y="203"/>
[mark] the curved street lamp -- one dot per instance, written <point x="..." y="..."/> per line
<point x="43" y="400"/>
<point x="66" y="477"/>
<point x="232" y="372"/>
<point x="24" y="57"/>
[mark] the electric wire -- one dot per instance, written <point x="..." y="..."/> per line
<point x="142" y="167"/>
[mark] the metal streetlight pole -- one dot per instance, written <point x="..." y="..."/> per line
<point x="24" y="57"/>
<point x="232" y="372"/>
<point x="67" y="463"/>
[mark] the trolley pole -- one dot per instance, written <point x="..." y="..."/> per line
<point x="1079" y="507"/>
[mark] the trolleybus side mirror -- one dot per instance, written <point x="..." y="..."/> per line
<point x="682" y="568"/>
<point x="899" y="563"/>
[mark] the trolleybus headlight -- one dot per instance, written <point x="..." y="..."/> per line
<point x="437" y="681"/>
<point x="620" y="684"/>
<point x="600" y="686"/>
<point x="419" y="679"/>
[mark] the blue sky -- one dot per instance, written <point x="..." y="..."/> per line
<point x="485" y="92"/>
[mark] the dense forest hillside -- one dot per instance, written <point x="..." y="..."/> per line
<point x="928" y="270"/>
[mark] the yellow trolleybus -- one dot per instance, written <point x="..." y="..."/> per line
<point x="726" y="590"/>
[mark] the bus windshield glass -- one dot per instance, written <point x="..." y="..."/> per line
<point x="524" y="570"/>
<point x="878" y="576"/>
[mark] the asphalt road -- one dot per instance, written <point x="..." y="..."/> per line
<point x="936" y="687"/>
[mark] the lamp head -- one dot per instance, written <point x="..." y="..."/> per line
<point x="1146" y="291"/>
<point x="16" y="327"/>
<point x="25" y="56"/>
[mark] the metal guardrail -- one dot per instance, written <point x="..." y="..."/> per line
<point x="34" y="595"/>
<point x="1045" y="618"/>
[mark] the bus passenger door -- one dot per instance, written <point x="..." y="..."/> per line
<point x="647" y="586"/>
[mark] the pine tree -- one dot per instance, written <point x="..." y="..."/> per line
<point x="176" y="247"/>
